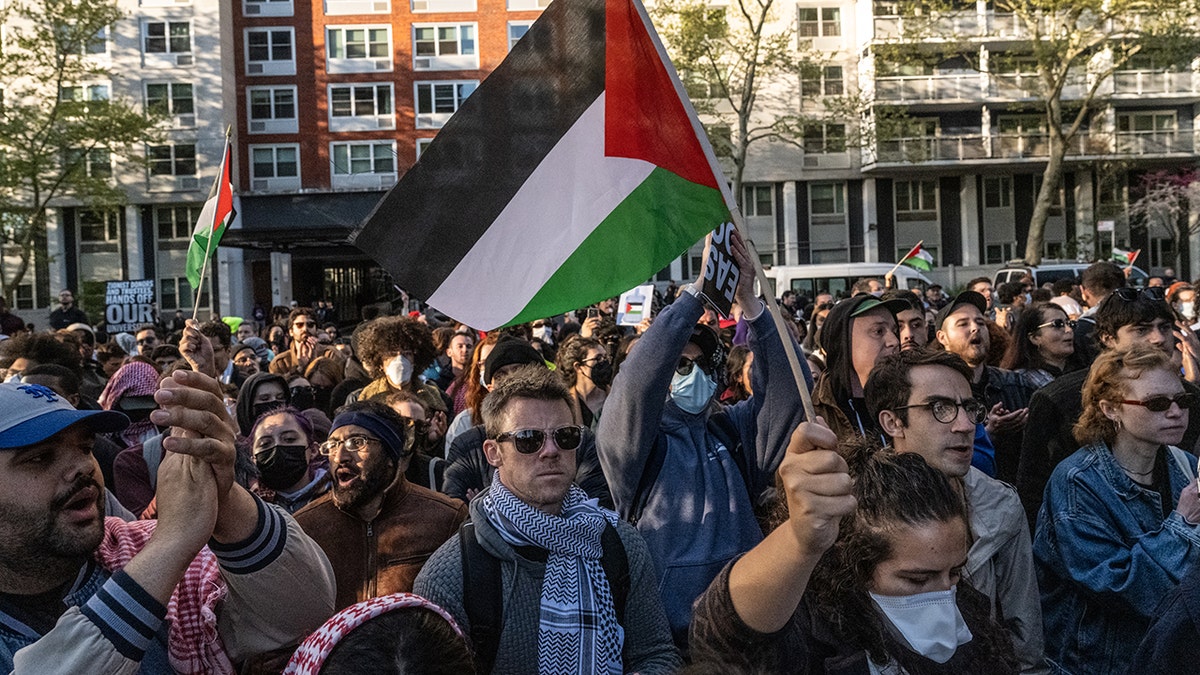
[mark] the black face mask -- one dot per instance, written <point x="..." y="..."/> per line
<point x="602" y="374"/>
<point x="303" y="398"/>
<point x="282" y="466"/>
<point x="260" y="409"/>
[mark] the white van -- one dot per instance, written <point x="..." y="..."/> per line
<point x="837" y="277"/>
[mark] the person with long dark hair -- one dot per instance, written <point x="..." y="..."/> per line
<point x="1042" y="346"/>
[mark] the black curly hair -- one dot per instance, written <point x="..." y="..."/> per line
<point x="383" y="338"/>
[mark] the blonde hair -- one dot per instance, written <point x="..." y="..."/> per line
<point x="1107" y="380"/>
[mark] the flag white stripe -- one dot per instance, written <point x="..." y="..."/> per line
<point x="559" y="206"/>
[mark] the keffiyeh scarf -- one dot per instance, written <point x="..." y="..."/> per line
<point x="577" y="627"/>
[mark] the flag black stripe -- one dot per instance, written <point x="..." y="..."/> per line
<point x="429" y="221"/>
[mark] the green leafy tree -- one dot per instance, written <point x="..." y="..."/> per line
<point x="740" y="67"/>
<point x="61" y="130"/>
<point x="1059" y="55"/>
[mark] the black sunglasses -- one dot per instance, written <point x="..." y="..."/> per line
<point x="1150" y="292"/>
<point x="529" y="441"/>
<point x="686" y="365"/>
<point x="1162" y="403"/>
<point x="1059" y="324"/>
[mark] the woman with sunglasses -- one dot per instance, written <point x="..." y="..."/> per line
<point x="1042" y="345"/>
<point x="1119" y="524"/>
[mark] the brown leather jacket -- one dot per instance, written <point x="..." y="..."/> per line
<point x="384" y="555"/>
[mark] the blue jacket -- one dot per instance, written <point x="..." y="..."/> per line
<point x="697" y="515"/>
<point x="1106" y="557"/>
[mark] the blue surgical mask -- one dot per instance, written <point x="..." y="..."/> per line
<point x="929" y="622"/>
<point x="692" y="392"/>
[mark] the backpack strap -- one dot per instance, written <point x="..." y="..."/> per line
<point x="653" y="467"/>
<point x="483" y="587"/>
<point x="1181" y="459"/>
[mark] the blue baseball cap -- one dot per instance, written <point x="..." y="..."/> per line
<point x="32" y="413"/>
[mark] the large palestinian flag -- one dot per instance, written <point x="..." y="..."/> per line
<point x="573" y="173"/>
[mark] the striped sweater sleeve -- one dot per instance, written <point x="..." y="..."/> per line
<point x="258" y="550"/>
<point x="126" y="615"/>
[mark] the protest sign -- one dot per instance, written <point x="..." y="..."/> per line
<point x="721" y="271"/>
<point x="128" y="305"/>
<point x="634" y="305"/>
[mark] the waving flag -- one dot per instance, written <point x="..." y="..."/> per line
<point x="214" y="218"/>
<point x="573" y="173"/>
<point x="918" y="258"/>
<point x="1122" y="257"/>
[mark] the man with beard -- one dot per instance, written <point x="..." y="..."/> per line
<point x="67" y="312"/>
<point x="914" y="329"/>
<point x="377" y="528"/>
<point x="82" y="593"/>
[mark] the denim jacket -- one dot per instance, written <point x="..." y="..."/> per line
<point x="1105" y="557"/>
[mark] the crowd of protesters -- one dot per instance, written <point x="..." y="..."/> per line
<point x="999" y="480"/>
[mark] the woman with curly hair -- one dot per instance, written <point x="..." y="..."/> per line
<point x="861" y="576"/>
<point x="1120" y="523"/>
<point x="588" y="371"/>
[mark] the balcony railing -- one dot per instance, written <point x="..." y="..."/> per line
<point x="1031" y="146"/>
<point x="1137" y="82"/>
<point x="916" y="88"/>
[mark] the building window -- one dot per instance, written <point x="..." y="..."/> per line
<point x="166" y="37"/>
<point x="172" y="160"/>
<point x="176" y="293"/>
<point x="361" y="107"/>
<point x="338" y="7"/>
<point x="94" y="163"/>
<point x="758" y="200"/>
<point x="272" y="110"/>
<point x="270" y="52"/>
<point x="827" y="203"/>
<point x="437" y="101"/>
<point x="824" y="138"/>
<point x="996" y="254"/>
<point x="526" y="5"/>
<point x="821" y="81"/>
<point x="359" y="49"/>
<point x="74" y="98"/>
<point x="916" y="200"/>
<point x="445" y="47"/>
<point x="25" y="296"/>
<point x="175" y="222"/>
<point x="443" y="5"/>
<point x="95" y="45"/>
<point x="516" y="31"/>
<point x="170" y="98"/>
<point x="274" y="161"/>
<point x="997" y="192"/>
<point x="422" y="144"/>
<point x="819" y="22"/>
<point x="371" y="157"/>
<point x="98" y="226"/>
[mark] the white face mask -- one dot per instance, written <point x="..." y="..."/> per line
<point x="929" y="622"/>
<point x="1188" y="309"/>
<point x="544" y="333"/>
<point x="399" y="371"/>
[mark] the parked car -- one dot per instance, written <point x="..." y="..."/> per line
<point x="1053" y="270"/>
<point x="837" y="277"/>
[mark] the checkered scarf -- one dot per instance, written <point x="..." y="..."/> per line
<point x="577" y="629"/>
<point x="193" y="643"/>
<point x="135" y="378"/>
<point x="310" y="657"/>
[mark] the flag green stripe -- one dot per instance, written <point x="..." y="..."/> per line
<point x="616" y="255"/>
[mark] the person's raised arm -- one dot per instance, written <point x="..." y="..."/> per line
<point x="767" y="583"/>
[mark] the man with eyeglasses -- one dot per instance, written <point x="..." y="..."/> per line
<point x="572" y="584"/>
<point x="302" y="329"/>
<point x="687" y="472"/>
<point x="1127" y="316"/>
<point x="923" y="401"/>
<point x="377" y="528"/>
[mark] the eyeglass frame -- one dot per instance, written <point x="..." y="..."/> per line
<point x="362" y="440"/>
<point x="958" y="405"/>
<point x="507" y="436"/>
<point x="1150" y="292"/>
<point x="1066" y="323"/>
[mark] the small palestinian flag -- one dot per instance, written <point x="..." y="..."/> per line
<point x="918" y="258"/>
<point x="215" y="216"/>
<point x="572" y="174"/>
<point x="1122" y="257"/>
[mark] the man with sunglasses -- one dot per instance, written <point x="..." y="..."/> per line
<point x="687" y="473"/>
<point x="575" y="591"/>
<point x="1127" y="316"/>
<point x="923" y="401"/>
<point x="377" y="528"/>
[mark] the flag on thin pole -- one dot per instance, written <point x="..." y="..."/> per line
<point x="918" y="258"/>
<point x="1126" y="258"/>
<point x="573" y="173"/>
<point x="215" y="217"/>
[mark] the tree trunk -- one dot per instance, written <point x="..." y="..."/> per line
<point x="1045" y="198"/>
